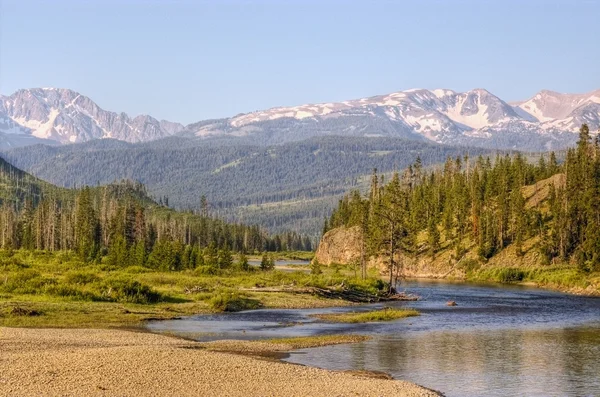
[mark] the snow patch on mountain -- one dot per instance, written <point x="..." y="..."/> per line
<point x="66" y="116"/>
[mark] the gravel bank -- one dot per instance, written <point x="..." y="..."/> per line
<point x="86" y="362"/>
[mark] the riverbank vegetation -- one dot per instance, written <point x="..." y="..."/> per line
<point x="112" y="256"/>
<point x="59" y="289"/>
<point x="503" y="219"/>
<point x="386" y="314"/>
<point x="282" y="344"/>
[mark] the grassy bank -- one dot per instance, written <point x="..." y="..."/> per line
<point x="44" y="289"/>
<point x="559" y="277"/>
<point x="387" y="314"/>
<point x="282" y="344"/>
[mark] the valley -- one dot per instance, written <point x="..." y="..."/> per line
<point x="294" y="198"/>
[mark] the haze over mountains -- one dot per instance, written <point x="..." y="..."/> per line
<point x="547" y="121"/>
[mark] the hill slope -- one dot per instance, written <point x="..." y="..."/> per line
<point x="285" y="187"/>
<point x="506" y="220"/>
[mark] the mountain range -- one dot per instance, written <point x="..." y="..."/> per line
<point x="61" y="116"/>
<point x="547" y="121"/>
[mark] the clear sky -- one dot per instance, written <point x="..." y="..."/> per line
<point x="191" y="60"/>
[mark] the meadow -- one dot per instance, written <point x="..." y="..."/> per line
<point x="45" y="289"/>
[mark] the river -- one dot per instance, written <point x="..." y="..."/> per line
<point x="498" y="341"/>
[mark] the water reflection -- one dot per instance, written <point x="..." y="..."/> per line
<point x="499" y="341"/>
<point x="557" y="362"/>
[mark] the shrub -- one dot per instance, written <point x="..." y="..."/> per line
<point x="129" y="291"/>
<point x="136" y="270"/>
<point x="24" y="282"/>
<point x="510" y="275"/>
<point x="231" y="301"/>
<point x="206" y="270"/>
<point x="267" y="262"/>
<point x="81" y="278"/>
<point x="12" y="264"/>
<point x="315" y="267"/>
<point x="68" y="291"/>
<point x="470" y="265"/>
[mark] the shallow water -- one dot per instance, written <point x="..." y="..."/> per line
<point x="498" y="341"/>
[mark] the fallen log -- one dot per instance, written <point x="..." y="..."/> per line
<point x="338" y="293"/>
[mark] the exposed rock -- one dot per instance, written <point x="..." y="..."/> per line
<point x="339" y="245"/>
<point x="342" y="245"/>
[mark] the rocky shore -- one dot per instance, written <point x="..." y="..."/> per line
<point x="92" y="362"/>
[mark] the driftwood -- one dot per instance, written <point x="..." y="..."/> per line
<point x="197" y="288"/>
<point x="338" y="293"/>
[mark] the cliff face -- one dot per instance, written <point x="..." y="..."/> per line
<point x="340" y="245"/>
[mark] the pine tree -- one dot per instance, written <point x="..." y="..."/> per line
<point x="87" y="228"/>
<point x="433" y="236"/>
<point x="243" y="262"/>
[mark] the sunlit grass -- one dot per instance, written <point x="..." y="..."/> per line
<point x="42" y="289"/>
<point x="387" y="314"/>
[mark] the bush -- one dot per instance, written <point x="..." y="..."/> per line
<point x="372" y="286"/>
<point x="129" y="291"/>
<point x="136" y="270"/>
<point x="315" y="267"/>
<point x="267" y="262"/>
<point x="69" y="291"/>
<point x="470" y="265"/>
<point x="510" y="275"/>
<point x="12" y="264"/>
<point x="206" y="270"/>
<point x="231" y="301"/>
<point x="81" y="278"/>
<point x="25" y="282"/>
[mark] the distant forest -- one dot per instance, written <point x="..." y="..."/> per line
<point x="120" y="222"/>
<point x="287" y="187"/>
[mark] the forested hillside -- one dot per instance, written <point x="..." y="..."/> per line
<point x="478" y="208"/>
<point x="288" y="187"/>
<point x="119" y="221"/>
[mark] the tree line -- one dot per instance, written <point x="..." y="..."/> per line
<point x="481" y="203"/>
<point x="240" y="181"/>
<point x="119" y="223"/>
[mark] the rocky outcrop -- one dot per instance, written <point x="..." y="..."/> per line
<point x="342" y="245"/>
<point x="339" y="245"/>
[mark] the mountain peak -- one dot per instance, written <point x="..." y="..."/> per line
<point x="65" y="116"/>
<point x="440" y="115"/>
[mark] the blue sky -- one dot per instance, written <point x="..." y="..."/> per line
<point x="191" y="60"/>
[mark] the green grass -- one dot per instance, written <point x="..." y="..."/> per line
<point x="562" y="277"/>
<point x="387" y="314"/>
<point x="41" y="289"/>
<point x="304" y="342"/>
<point x="260" y="347"/>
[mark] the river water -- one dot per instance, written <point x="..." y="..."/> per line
<point x="498" y="341"/>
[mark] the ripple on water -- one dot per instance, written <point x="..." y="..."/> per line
<point x="498" y="341"/>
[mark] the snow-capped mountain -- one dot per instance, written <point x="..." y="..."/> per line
<point x="547" y="121"/>
<point x="477" y="117"/>
<point x="556" y="111"/>
<point x="54" y="115"/>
